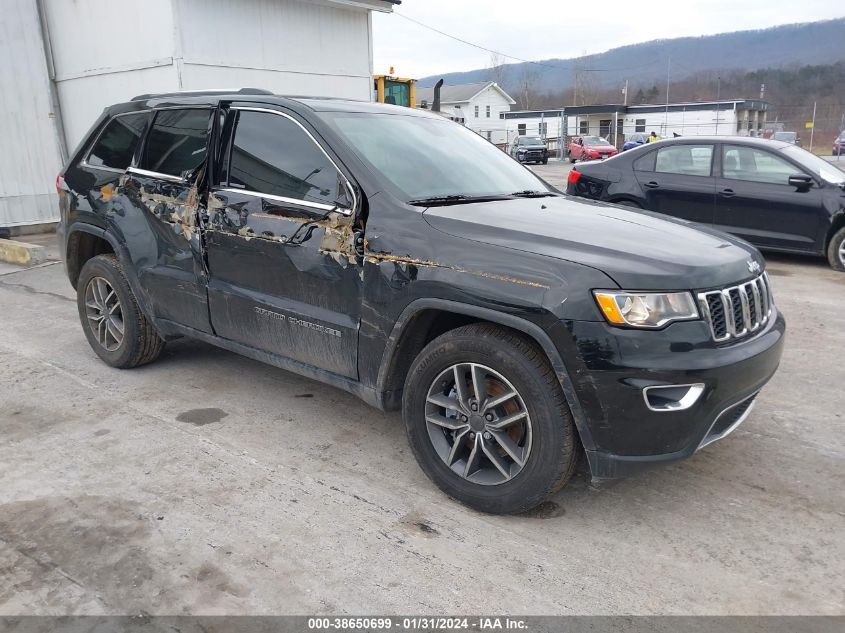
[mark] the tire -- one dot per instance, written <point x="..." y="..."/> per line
<point x="836" y="251"/>
<point x="101" y="281"/>
<point x="628" y="203"/>
<point x="544" y="438"/>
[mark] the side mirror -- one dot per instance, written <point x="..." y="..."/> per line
<point x="801" y="182"/>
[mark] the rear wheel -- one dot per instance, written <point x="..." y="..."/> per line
<point x="487" y="420"/>
<point x="836" y="250"/>
<point x="114" y="325"/>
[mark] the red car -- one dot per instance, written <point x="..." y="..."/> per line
<point x="590" y="148"/>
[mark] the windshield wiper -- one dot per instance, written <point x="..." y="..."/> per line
<point x="530" y="193"/>
<point x="453" y="199"/>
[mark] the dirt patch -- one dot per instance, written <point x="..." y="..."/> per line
<point x="201" y="417"/>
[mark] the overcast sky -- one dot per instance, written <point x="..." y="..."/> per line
<point x="543" y="29"/>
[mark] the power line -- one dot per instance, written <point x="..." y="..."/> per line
<point x="559" y="66"/>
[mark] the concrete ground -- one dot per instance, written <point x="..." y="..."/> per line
<point x="207" y="483"/>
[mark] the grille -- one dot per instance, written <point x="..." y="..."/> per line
<point x="737" y="311"/>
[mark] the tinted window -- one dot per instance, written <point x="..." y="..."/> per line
<point x="177" y="141"/>
<point x="745" y="163"/>
<point x="645" y="163"/>
<point x="117" y="143"/>
<point x="688" y="160"/>
<point x="271" y="154"/>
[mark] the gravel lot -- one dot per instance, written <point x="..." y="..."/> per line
<point x="208" y="483"/>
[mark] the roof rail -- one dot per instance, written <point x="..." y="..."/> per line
<point x="210" y="91"/>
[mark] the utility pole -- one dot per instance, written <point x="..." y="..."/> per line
<point x="813" y="127"/>
<point x="666" y="117"/>
<point x="718" y="98"/>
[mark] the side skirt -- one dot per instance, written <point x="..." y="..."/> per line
<point x="367" y="394"/>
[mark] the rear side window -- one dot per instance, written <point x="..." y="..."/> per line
<point x="116" y="144"/>
<point x="176" y="144"/>
<point x="271" y="154"/>
<point x="687" y="160"/>
<point x="645" y="163"/>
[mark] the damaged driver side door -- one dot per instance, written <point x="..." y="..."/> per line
<point x="280" y="239"/>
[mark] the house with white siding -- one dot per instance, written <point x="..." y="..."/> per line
<point x="62" y="62"/>
<point x="479" y="106"/>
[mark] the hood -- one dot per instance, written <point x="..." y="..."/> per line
<point x="639" y="250"/>
<point x="532" y="146"/>
<point x="599" y="148"/>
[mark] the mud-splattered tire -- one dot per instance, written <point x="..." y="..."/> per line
<point x="507" y="361"/>
<point x="836" y="251"/>
<point x="127" y="340"/>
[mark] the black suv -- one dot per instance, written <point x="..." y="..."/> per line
<point x="529" y="149"/>
<point x="401" y="257"/>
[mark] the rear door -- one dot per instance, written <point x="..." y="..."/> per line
<point x="678" y="180"/>
<point x="281" y="243"/>
<point x="755" y="201"/>
<point x="158" y="210"/>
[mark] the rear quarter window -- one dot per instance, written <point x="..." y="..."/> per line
<point x="116" y="144"/>
<point x="645" y="162"/>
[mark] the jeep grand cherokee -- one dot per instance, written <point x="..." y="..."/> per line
<point x="399" y="256"/>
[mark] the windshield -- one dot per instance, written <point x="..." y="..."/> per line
<point x="424" y="157"/>
<point x="595" y="140"/>
<point x="789" y="137"/>
<point x="820" y="166"/>
<point x="530" y="140"/>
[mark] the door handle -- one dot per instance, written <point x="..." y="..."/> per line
<point x="727" y="193"/>
<point x="651" y="184"/>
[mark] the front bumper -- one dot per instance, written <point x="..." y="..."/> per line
<point x="620" y="433"/>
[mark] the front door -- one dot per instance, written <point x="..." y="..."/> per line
<point x="755" y="201"/>
<point x="677" y="180"/>
<point x="284" y="275"/>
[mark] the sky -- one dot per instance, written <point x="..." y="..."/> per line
<point x="544" y="29"/>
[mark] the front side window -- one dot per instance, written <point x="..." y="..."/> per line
<point x="271" y="154"/>
<point x="116" y="145"/>
<point x="686" y="160"/>
<point x="177" y="141"/>
<point x="754" y="165"/>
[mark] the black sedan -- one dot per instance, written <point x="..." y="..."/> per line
<point x="775" y="195"/>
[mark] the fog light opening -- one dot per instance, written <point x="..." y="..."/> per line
<point x="672" y="397"/>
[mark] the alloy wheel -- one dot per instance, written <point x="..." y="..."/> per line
<point x="478" y="424"/>
<point x="842" y="253"/>
<point x="104" y="313"/>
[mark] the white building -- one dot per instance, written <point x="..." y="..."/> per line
<point x="479" y="106"/>
<point x="743" y="117"/>
<point x="62" y="62"/>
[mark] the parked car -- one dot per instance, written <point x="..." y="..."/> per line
<point x="396" y="255"/>
<point x="839" y="144"/>
<point x="590" y="148"/>
<point x="529" y="149"/>
<point x="773" y="194"/>
<point x="635" y="140"/>
<point x="787" y="137"/>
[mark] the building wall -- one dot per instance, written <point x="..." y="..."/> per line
<point x="30" y="156"/>
<point x="481" y="124"/>
<point x="108" y="51"/>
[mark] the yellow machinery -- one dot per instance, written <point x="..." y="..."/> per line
<point x="394" y="90"/>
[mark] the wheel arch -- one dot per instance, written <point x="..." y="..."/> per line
<point x="413" y="330"/>
<point x="85" y="241"/>
<point x="837" y="222"/>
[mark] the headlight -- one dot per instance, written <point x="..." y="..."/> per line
<point x="646" y="309"/>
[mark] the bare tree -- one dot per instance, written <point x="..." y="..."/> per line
<point x="497" y="70"/>
<point x="527" y="94"/>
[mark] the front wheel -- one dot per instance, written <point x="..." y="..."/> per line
<point x="487" y="420"/>
<point x="836" y="250"/>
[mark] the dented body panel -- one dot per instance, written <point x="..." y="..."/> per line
<point x="341" y="292"/>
